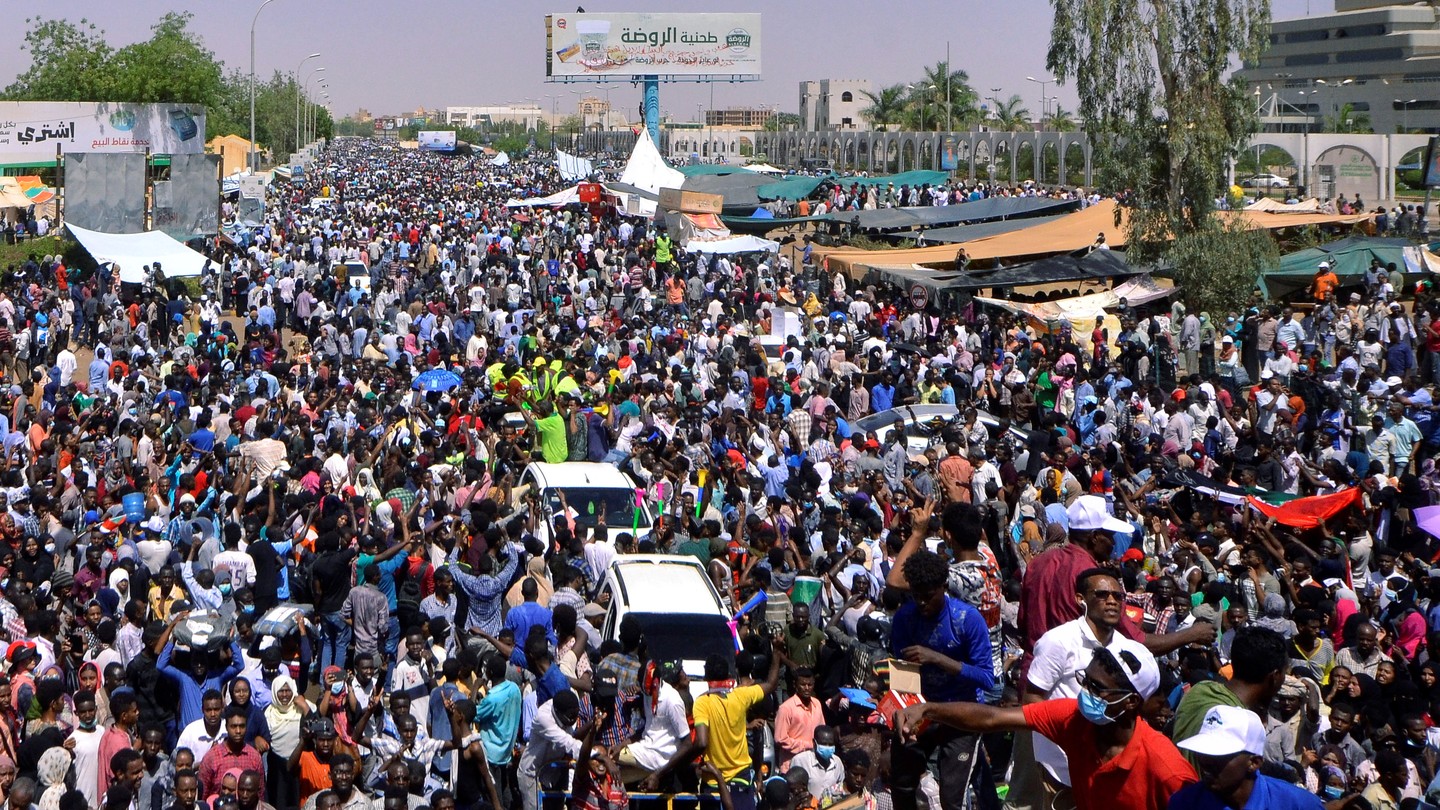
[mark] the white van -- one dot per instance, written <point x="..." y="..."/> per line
<point x="591" y="489"/>
<point x="678" y="608"/>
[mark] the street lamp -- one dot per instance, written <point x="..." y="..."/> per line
<point x="297" y="96"/>
<point x="1405" y="112"/>
<point x="1044" y="83"/>
<point x="251" y="154"/>
<point x="312" y="76"/>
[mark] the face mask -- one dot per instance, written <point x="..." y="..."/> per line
<point x="336" y="688"/>
<point x="49" y="548"/>
<point x="1095" y="709"/>
<point x="225" y="588"/>
<point x="1333" y="792"/>
<point x="824" y="752"/>
<point x="247" y="609"/>
<point x="90" y="726"/>
<point x="1389" y="595"/>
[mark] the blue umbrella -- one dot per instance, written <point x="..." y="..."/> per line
<point x="437" y="379"/>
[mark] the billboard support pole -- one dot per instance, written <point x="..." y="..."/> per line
<point x="652" y="107"/>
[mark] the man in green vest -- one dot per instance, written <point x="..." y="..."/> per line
<point x="662" y="250"/>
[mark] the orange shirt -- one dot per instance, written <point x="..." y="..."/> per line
<point x="1325" y="283"/>
<point x="314" y="775"/>
<point x="1142" y="777"/>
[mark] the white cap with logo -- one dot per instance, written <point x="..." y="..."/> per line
<point x="1226" y="731"/>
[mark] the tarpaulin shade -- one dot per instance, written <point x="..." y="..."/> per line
<point x="733" y="244"/>
<point x="699" y="169"/>
<point x="1084" y="309"/>
<point x="131" y="252"/>
<point x="1310" y="206"/>
<point x="1094" y="266"/>
<point x="563" y="197"/>
<point x="737" y="189"/>
<point x="994" y="208"/>
<point x="1307" y="513"/>
<point x="964" y="233"/>
<point x="572" y="167"/>
<point x="1349" y="259"/>
<point x="790" y="188"/>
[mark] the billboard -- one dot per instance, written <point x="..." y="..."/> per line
<point x="636" y="44"/>
<point x="105" y="192"/>
<point x="437" y="140"/>
<point x="30" y="130"/>
<point x="188" y="204"/>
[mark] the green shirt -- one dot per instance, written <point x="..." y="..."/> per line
<point x="553" y="444"/>
<point x="1201" y="698"/>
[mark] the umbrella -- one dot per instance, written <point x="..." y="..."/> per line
<point x="1428" y="519"/>
<point x="437" y="379"/>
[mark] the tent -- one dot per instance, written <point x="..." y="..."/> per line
<point x="765" y="168"/>
<point x="131" y="252"/>
<point x="986" y="210"/>
<point x="737" y="188"/>
<point x="1084" y="309"/>
<point x="733" y="244"/>
<point x="572" y="167"/>
<point x="501" y="159"/>
<point x="797" y="187"/>
<point x="1063" y="235"/>
<point x="1310" y="206"/>
<point x="700" y="169"/>
<point x="1096" y="265"/>
<point x="1349" y="258"/>
<point x="647" y="170"/>
<point x="564" y="197"/>
<point x="954" y="234"/>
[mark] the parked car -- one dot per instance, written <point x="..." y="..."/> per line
<point x="1265" y="181"/>
<point x="590" y="490"/>
<point x="678" y="608"/>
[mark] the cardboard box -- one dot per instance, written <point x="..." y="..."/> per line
<point x="690" y="202"/>
<point x="904" y="677"/>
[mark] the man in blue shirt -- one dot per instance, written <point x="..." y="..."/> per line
<point x="950" y="641"/>
<point x="1229" y="750"/>
<point x="526" y="615"/>
<point x="388" y="561"/>
<point x="882" y="395"/>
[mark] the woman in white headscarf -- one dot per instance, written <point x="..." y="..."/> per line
<point x="287" y="708"/>
<point x="53" y="767"/>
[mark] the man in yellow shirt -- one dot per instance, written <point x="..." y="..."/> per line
<point x="720" y="720"/>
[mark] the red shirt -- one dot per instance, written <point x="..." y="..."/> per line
<point x="1142" y="777"/>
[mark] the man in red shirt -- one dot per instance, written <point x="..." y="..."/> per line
<point x="1117" y="761"/>
<point x="232" y="753"/>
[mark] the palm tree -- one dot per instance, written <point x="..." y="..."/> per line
<point x="1011" y="115"/>
<point x="953" y="100"/>
<point x="1348" y="121"/>
<point x="886" y="107"/>
<point x="1061" y="120"/>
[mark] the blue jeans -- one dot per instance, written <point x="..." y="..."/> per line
<point x="334" y="641"/>
<point x="392" y="638"/>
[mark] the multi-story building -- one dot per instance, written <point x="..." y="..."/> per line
<point x="834" y="104"/>
<point x="529" y="114"/>
<point x="750" y="117"/>
<point x="1370" y="58"/>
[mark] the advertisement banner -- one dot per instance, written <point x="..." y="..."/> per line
<point x="31" y="130"/>
<point x="437" y="140"/>
<point x="252" y="187"/>
<point x="673" y="44"/>
<point x="105" y="193"/>
<point x="190" y="204"/>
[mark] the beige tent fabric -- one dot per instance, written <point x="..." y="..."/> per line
<point x="1064" y="235"/>
<point x="1310" y="206"/>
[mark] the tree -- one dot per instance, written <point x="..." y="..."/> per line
<point x="780" y="122"/>
<point x="953" y="100"/>
<point x="1011" y="115"/>
<point x="886" y="107"/>
<point x="570" y="125"/>
<point x="1162" y="117"/>
<point x="1349" y="122"/>
<point x="1060" y="120"/>
<point x="67" y="62"/>
<point x="1217" y="263"/>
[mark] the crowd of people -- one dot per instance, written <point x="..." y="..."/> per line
<point x="269" y="548"/>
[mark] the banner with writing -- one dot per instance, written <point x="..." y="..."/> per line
<point x="30" y="131"/>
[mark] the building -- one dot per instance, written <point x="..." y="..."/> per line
<point x="528" y="114"/>
<point x="233" y="151"/>
<point x="830" y="104"/>
<point x="1380" y="58"/>
<point x="749" y="117"/>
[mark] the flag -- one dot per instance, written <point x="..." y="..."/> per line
<point x="1306" y="513"/>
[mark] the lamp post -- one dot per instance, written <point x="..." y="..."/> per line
<point x="251" y="155"/>
<point x="1405" y="113"/>
<point x="1044" y="83"/>
<point x="297" y="96"/>
<point x="312" y="76"/>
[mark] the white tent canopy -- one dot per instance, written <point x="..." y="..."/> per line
<point x="565" y="197"/>
<point x="501" y="159"/>
<point x="764" y="168"/>
<point x="572" y="167"/>
<point x="647" y="170"/>
<point x="732" y="244"/>
<point x="131" y="252"/>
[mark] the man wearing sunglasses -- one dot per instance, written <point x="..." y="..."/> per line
<point x="1062" y="656"/>
<point x="1117" y="761"/>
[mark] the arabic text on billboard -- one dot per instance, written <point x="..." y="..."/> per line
<point x="437" y="140"/>
<point x="30" y="130"/>
<point x="633" y="44"/>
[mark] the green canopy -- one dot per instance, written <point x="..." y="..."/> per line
<point x="919" y="177"/>
<point x="1349" y="259"/>
<point x="698" y="169"/>
<point x="796" y="187"/>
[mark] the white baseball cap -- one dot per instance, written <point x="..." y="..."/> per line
<point x="1226" y="731"/>
<point x="1088" y="513"/>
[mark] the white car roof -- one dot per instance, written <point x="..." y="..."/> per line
<point x="579" y="474"/>
<point x="664" y="583"/>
